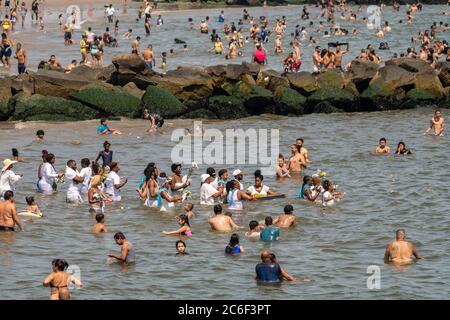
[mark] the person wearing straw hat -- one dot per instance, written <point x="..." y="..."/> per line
<point x="239" y="176"/>
<point x="8" y="178"/>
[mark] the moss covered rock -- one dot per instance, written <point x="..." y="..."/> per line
<point x="38" y="107"/>
<point x="419" y="97"/>
<point x="162" y="102"/>
<point x="108" y="101"/>
<point x="303" y="82"/>
<point x="337" y="97"/>
<point x="325" y="107"/>
<point x="289" y="101"/>
<point x="257" y="100"/>
<point x="379" y="98"/>
<point x="227" y="107"/>
<point x="200" y="114"/>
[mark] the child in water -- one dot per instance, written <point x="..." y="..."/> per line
<point x="282" y="171"/>
<point x="188" y="210"/>
<point x="181" y="248"/>
<point x="234" y="247"/>
<point x="184" y="230"/>
<point x="32" y="206"/>
<point x="59" y="280"/>
<point x="164" y="60"/>
<point x="99" y="226"/>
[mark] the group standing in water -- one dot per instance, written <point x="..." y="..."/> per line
<point x="99" y="185"/>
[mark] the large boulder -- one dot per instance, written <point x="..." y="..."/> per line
<point x="128" y="63"/>
<point x="330" y="78"/>
<point x="57" y="84"/>
<point x="257" y="100"/>
<point x="361" y="73"/>
<point x="22" y="83"/>
<point x="107" y="72"/>
<point x="429" y="82"/>
<point x="5" y="95"/>
<point x="418" y="97"/>
<point x="86" y="72"/>
<point x="108" y="101"/>
<point x="200" y="114"/>
<point x="227" y="107"/>
<point x="191" y="85"/>
<point x="5" y="88"/>
<point x="325" y="107"/>
<point x="388" y="88"/>
<point x="217" y="74"/>
<point x="411" y="64"/>
<point x="289" y="101"/>
<point x="378" y="98"/>
<point x="38" y="107"/>
<point x="303" y="82"/>
<point x="444" y="72"/>
<point x="161" y="101"/>
<point x="273" y="80"/>
<point x="336" y="96"/>
<point x="132" y="89"/>
<point x="236" y="71"/>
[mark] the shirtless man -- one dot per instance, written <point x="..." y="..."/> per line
<point x="296" y="161"/>
<point x="400" y="250"/>
<point x="8" y="213"/>
<point x="287" y="219"/>
<point x="299" y="143"/>
<point x="148" y="57"/>
<point x="70" y="66"/>
<point x="317" y="59"/>
<point x="328" y="59"/>
<point x="221" y="222"/>
<point x="135" y="45"/>
<point x="438" y="122"/>
<point x="232" y="50"/>
<point x="382" y="147"/>
<point x="53" y="62"/>
<point x="338" y="57"/>
<point x="21" y="57"/>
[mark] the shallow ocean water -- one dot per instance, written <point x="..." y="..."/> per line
<point x="329" y="250"/>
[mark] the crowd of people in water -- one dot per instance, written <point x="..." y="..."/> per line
<point x="97" y="184"/>
<point x="235" y="37"/>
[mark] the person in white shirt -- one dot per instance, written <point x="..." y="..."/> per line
<point x="329" y="194"/>
<point x="48" y="174"/>
<point x="259" y="189"/>
<point x="209" y="194"/>
<point x="113" y="183"/>
<point x="239" y="176"/>
<point x="86" y="173"/>
<point x="8" y="178"/>
<point x="212" y="172"/>
<point x="110" y="11"/>
<point x="74" y="180"/>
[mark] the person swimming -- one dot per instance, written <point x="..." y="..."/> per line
<point x="184" y="230"/>
<point x="180" y="245"/>
<point x="233" y="246"/>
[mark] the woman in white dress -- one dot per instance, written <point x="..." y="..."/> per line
<point x="48" y="174"/>
<point x="259" y="189"/>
